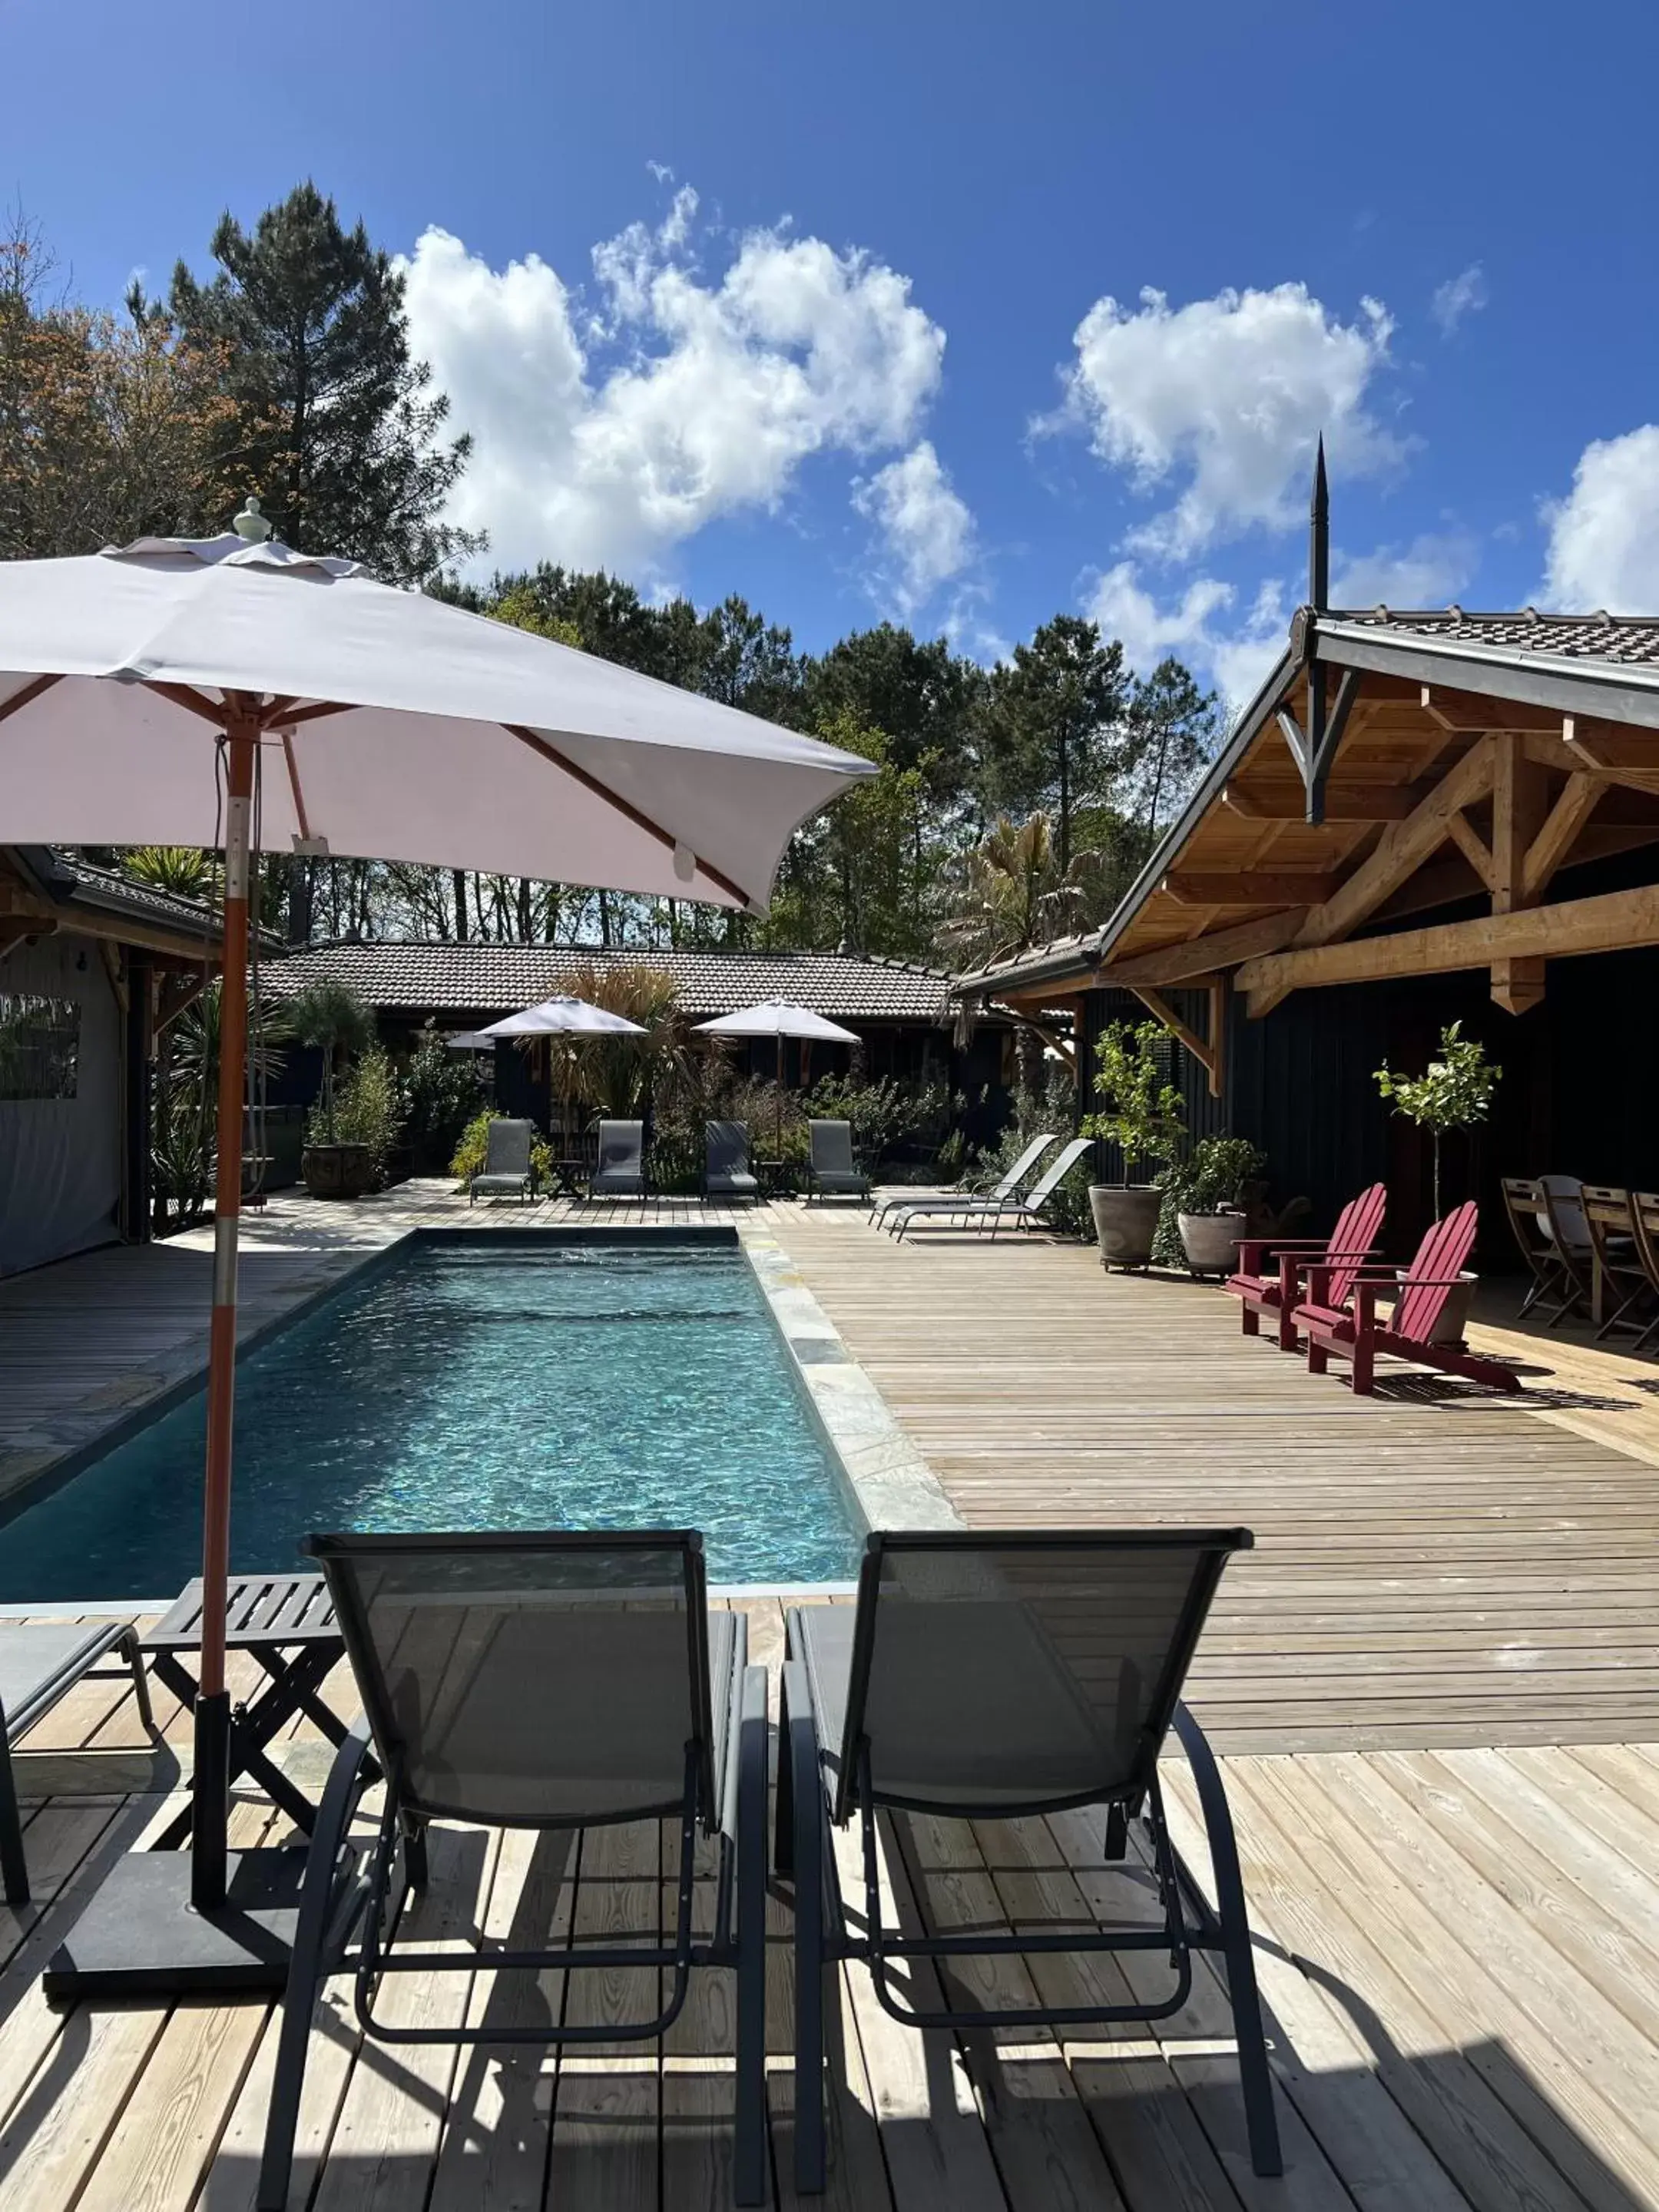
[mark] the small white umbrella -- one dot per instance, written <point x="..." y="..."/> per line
<point x="565" y="1016"/>
<point x="779" y="1018"/>
<point x="232" y="693"/>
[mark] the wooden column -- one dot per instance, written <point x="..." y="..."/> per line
<point x="1520" y="804"/>
<point x="135" y="1197"/>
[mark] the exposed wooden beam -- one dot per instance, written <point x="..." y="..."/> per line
<point x="1579" y="798"/>
<point x="118" y="982"/>
<point x="1611" y="923"/>
<point x="1161" y="1010"/>
<point x="1472" y="846"/>
<point x="1610" y="749"/>
<point x="1472" y="713"/>
<point x="1199" y="955"/>
<point x="1216" y="987"/>
<point x="1401" y="851"/>
<point x="174" y="995"/>
<point x="1350" y="802"/>
<point x="17" y="929"/>
<point x="1592" y="757"/>
<point x="1249" y="887"/>
<point x="1520" y="803"/>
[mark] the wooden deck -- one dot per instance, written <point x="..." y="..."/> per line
<point x="1459" y="1955"/>
<point x="1437" y="1565"/>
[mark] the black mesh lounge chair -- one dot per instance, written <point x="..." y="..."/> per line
<point x="994" y="1214"/>
<point x="549" y="1681"/>
<point x="507" y="1172"/>
<point x="957" y="1201"/>
<point x="620" y="1172"/>
<point x="39" y="1661"/>
<point x="726" y="1166"/>
<point x="994" y="1676"/>
<point x="831" y="1169"/>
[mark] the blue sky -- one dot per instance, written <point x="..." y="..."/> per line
<point x="965" y="316"/>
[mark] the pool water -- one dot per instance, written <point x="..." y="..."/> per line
<point x="479" y="1384"/>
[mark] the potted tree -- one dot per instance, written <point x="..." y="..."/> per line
<point x="1141" y="1114"/>
<point x="1454" y="1092"/>
<point x="331" y="1017"/>
<point x="1206" y="1201"/>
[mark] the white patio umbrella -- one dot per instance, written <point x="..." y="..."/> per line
<point x="231" y="692"/>
<point x="565" y="1016"/>
<point x="777" y="1017"/>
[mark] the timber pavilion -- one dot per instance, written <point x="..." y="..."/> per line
<point x="1422" y="817"/>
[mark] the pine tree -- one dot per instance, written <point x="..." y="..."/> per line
<point x="333" y="425"/>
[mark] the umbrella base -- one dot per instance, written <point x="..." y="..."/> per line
<point x="141" y="1935"/>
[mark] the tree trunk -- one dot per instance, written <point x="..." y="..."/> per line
<point x="457" y="883"/>
<point x="1065" y="805"/>
<point x="527" y="928"/>
<point x="299" y="899"/>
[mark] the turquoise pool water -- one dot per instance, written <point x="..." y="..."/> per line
<point x="479" y="1384"/>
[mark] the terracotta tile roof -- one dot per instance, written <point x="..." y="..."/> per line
<point x="491" y="980"/>
<point x="1626" y="640"/>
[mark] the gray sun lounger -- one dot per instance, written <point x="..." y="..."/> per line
<point x="958" y="1201"/>
<point x="994" y="1214"/>
<point x="620" y="1171"/>
<point x="1006" y="1676"/>
<point x="507" y="1172"/>
<point x="725" y="1164"/>
<point x="831" y="1169"/>
<point x="549" y="1682"/>
<point x="40" y="1661"/>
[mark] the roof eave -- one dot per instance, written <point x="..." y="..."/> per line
<point x="1618" y="691"/>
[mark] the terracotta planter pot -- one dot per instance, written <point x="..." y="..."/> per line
<point x="336" y="1170"/>
<point x="1126" y="1221"/>
<point x="1210" y="1241"/>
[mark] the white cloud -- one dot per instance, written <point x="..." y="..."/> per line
<point x="607" y="434"/>
<point x="926" y="528"/>
<point x="1430" y="572"/>
<point x="1235" y="659"/>
<point x="1463" y="295"/>
<point x="1604" y="535"/>
<point x="1232" y="392"/>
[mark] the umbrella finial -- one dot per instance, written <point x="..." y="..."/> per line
<point x="250" y="524"/>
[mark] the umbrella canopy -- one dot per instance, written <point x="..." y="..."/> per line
<point x="777" y="1017"/>
<point x="470" y="1040"/>
<point x="563" y="1017"/>
<point x="228" y="691"/>
<point x="392" y="726"/>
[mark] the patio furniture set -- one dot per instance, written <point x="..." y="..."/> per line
<point x="980" y="1675"/>
<point x="1593" y="1251"/>
<point x="729" y="1169"/>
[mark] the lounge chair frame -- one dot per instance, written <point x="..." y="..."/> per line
<point x="72" y="1660"/>
<point x="959" y="1201"/>
<point x="342" y="1898"/>
<point x="996" y="1213"/>
<point x="509" y="1182"/>
<point x="804" y="1852"/>
<point x="625" y="1177"/>
<point x="728" y="1141"/>
<point x="827" y="1182"/>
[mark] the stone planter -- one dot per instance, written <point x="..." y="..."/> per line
<point x="336" y="1170"/>
<point x="1454" y="1313"/>
<point x="1210" y="1241"/>
<point x="1126" y="1221"/>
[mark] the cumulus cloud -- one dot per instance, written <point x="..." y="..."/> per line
<point x="1460" y="295"/>
<point x="608" y="429"/>
<point x="1230" y="393"/>
<point x="1430" y="572"/>
<point x="1233" y="655"/>
<point x="925" y="528"/>
<point x="1604" y="535"/>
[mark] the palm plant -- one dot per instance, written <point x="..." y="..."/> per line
<point x="1013" y="891"/>
<point x="182" y="871"/>
<point x="332" y="1017"/>
<point x="618" y="1075"/>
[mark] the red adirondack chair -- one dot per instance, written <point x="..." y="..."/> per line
<point x="1357" y="1336"/>
<point x="1345" y="1251"/>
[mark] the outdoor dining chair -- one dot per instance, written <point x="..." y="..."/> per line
<point x="1644" y="1222"/>
<point x="1619" y="1280"/>
<point x="1004" y="1676"/>
<point x="1549" y="1227"/>
<point x="552" y="1682"/>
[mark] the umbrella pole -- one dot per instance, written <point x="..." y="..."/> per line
<point x="211" y="1807"/>
<point x="777" y="1103"/>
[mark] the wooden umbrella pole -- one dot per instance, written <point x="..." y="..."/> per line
<point x="211" y="1807"/>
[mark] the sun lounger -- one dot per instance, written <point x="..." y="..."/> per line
<point x="1278" y="1292"/>
<point x="955" y="1201"/>
<point x="508" y="1171"/>
<point x="620" y="1172"/>
<point x="1357" y="1336"/>
<point x="548" y="1682"/>
<point x="995" y="1213"/>
<point x="1006" y="1676"/>
<point x="725" y="1167"/>
<point x="830" y="1168"/>
<point x="40" y="1661"/>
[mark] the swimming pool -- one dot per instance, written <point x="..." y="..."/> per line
<point x="479" y="1383"/>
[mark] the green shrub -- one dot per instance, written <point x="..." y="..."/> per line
<point x="473" y="1149"/>
<point x="884" y="1114"/>
<point x="368" y="1110"/>
<point x="1143" y="1115"/>
<point x="439" y="1097"/>
<point x="1217" y="1173"/>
